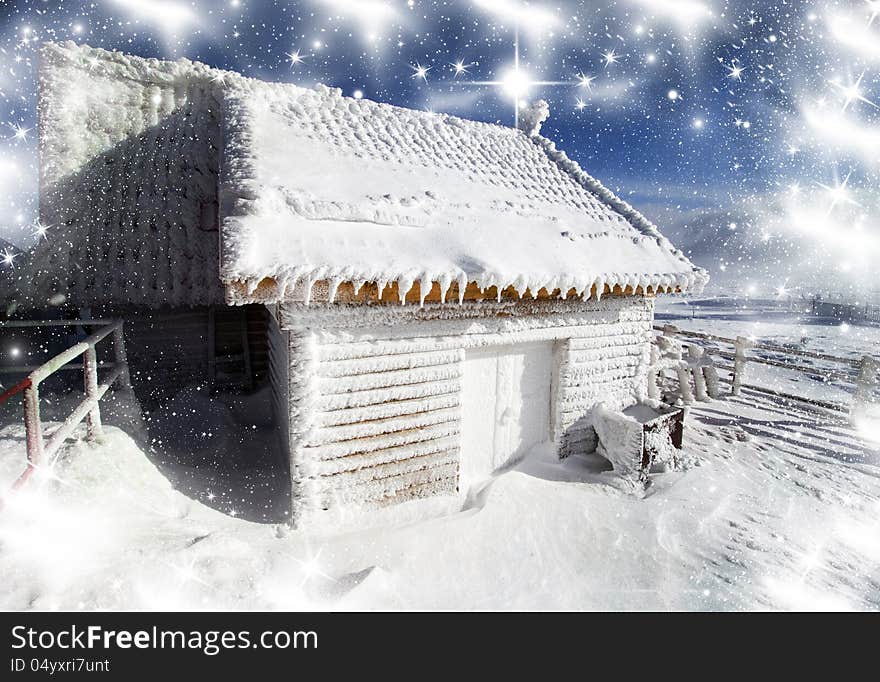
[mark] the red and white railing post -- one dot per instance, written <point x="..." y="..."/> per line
<point x="89" y="409"/>
<point x="33" y="431"/>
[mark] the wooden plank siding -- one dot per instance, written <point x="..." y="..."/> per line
<point x="375" y="391"/>
<point x="387" y="424"/>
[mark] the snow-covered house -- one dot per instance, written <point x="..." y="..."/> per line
<point x="436" y="295"/>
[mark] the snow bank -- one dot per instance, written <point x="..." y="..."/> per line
<point x="773" y="518"/>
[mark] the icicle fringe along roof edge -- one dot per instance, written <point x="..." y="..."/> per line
<point x="314" y="186"/>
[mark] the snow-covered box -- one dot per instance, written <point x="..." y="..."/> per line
<point x="433" y="296"/>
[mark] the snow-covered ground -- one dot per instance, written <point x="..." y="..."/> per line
<point x="783" y="512"/>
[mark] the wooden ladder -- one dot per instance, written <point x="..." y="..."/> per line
<point x="229" y="352"/>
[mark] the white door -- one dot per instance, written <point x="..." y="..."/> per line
<point x="506" y="395"/>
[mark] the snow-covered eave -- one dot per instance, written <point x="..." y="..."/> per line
<point x="319" y="286"/>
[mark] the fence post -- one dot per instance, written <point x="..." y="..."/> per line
<point x="33" y="428"/>
<point x="711" y="376"/>
<point x="90" y="375"/>
<point x="865" y="383"/>
<point x="695" y="361"/>
<point x="120" y="357"/>
<point x="741" y="345"/>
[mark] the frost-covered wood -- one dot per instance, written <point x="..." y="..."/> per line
<point x="279" y="379"/>
<point x="129" y="152"/>
<point x="383" y="421"/>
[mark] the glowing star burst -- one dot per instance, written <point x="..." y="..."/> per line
<point x="853" y="93"/>
<point x="7" y="257"/>
<point x="514" y="82"/>
<point x="839" y="193"/>
<point x="311" y="567"/>
<point x="420" y="71"/>
<point x="460" y="68"/>
<point x="294" y="57"/>
<point x="580" y="104"/>
<point x="735" y="71"/>
<point x="40" y="230"/>
<point x="586" y="81"/>
<point x="611" y="57"/>
<point x="19" y="133"/>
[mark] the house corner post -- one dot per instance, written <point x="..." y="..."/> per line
<point x="120" y="357"/>
<point x="302" y="395"/>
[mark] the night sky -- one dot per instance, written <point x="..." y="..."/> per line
<point x="747" y="130"/>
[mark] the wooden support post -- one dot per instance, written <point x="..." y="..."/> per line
<point x="212" y="354"/>
<point x="33" y="427"/>
<point x="246" y="351"/>
<point x="865" y="385"/>
<point x="741" y="345"/>
<point x="90" y="378"/>
<point x="120" y="357"/>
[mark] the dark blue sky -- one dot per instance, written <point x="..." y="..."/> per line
<point x="695" y="111"/>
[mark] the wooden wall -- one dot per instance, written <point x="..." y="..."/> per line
<point x="375" y="390"/>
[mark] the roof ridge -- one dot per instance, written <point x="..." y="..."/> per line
<point x="147" y="69"/>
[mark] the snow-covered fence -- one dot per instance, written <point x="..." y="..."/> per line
<point x="693" y="365"/>
<point x="861" y="373"/>
<point x="89" y="409"/>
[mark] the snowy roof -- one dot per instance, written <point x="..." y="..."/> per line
<point x="317" y="186"/>
<point x="314" y="186"/>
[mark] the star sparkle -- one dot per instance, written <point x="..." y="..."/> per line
<point x="460" y="68"/>
<point x="420" y="72"/>
<point x="19" y="132"/>
<point x="735" y="71"/>
<point x="852" y="92"/>
<point x="586" y="81"/>
<point x="611" y="57"/>
<point x="294" y="57"/>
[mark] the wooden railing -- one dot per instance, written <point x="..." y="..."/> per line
<point x="863" y="372"/>
<point x="39" y="448"/>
